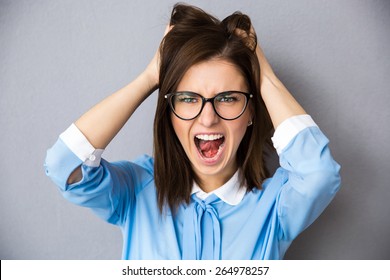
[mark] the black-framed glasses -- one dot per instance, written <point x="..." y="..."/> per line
<point x="228" y="105"/>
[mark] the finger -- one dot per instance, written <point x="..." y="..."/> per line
<point x="167" y="29"/>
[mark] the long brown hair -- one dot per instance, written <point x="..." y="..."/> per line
<point x="197" y="36"/>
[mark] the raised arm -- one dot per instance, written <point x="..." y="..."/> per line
<point x="312" y="176"/>
<point x="103" y="121"/>
<point x="280" y="104"/>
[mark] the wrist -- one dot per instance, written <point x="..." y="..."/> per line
<point x="150" y="80"/>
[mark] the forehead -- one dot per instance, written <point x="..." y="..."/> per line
<point x="213" y="76"/>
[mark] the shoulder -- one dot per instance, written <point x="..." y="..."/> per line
<point x="141" y="169"/>
<point x="271" y="187"/>
<point x="143" y="164"/>
<point x="274" y="184"/>
<point x="146" y="162"/>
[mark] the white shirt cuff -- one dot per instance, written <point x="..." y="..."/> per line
<point x="75" y="140"/>
<point x="288" y="129"/>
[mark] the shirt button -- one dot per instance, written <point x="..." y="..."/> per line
<point x="92" y="157"/>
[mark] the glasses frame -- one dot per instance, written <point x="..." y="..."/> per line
<point x="169" y="97"/>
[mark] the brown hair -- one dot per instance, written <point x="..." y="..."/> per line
<point x="195" y="37"/>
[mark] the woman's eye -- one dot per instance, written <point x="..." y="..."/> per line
<point x="227" y="99"/>
<point x="188" y="99"/>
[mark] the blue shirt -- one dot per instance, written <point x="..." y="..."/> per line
<point x="229" y="223"/>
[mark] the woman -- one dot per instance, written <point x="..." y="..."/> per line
<point x="206" y="193"/>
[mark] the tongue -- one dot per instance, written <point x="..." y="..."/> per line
<point x="210" y="148"/>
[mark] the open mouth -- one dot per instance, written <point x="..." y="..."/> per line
<point x="209" y="145"/>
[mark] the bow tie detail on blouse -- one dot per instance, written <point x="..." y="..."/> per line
<point x="201" y="230"/>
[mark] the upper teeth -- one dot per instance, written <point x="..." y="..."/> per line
<point x="209" y="137"/>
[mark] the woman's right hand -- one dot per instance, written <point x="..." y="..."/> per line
<point x="153" y="69"/>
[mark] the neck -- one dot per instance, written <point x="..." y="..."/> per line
<point x="209" y="183"/>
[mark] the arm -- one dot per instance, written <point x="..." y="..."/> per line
<point x="280" y="104"/>
<point x="108" y="188"/>
<point x="311" y="174"/>
<point x="74" y="162"/>
<point x="102" y="122"/>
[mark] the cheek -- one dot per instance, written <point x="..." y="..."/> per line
<point x="239" y="129"/>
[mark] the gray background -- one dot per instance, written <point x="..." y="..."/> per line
<point x="58" y="58"/>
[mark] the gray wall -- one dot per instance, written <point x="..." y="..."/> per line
<point x="58" y="58"/>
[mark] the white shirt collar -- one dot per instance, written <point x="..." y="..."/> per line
<point x="230" y="192"/>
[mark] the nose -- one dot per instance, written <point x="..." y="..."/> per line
<point x="208" y="117"/>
